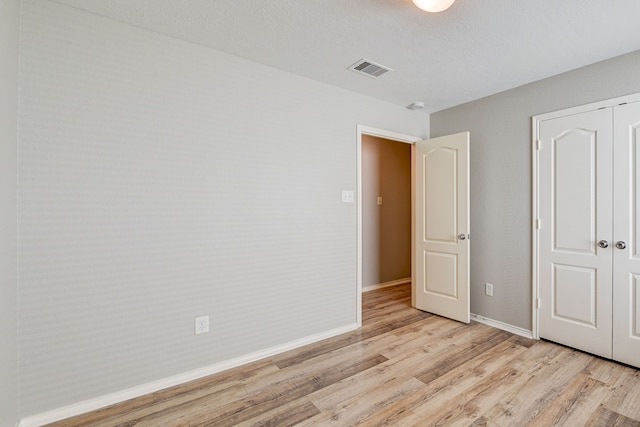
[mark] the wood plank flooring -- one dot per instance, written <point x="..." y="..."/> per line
<point x="403" y="368"/>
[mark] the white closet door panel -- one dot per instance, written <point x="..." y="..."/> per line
<point x="626" y="262"/>
<point x="574" y="191"/>
<point x="575" y="181"/>
<point x="574" y="294"/>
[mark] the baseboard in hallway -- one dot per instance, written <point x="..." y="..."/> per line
<point x="386" y="284"/>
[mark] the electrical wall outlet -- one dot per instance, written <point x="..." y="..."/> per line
<point x="488" y="289"/>
<point x="347" y="196"/>
<point x="202" y="325"/>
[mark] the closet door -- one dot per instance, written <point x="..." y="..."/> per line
<point x="626" y="260"/>
<point x="575" y="240"/>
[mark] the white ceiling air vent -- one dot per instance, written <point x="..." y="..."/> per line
<point x="369" y="68"/>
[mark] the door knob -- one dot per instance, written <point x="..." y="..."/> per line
<point x="621" y="245"/>
<point x="603" y="244"/>
<point x="462" y="236"/>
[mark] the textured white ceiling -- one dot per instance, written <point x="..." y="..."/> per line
<point x="476" y="48"/>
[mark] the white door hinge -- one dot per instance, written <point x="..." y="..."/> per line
<point x="538" y="224"/>
<point x="537" y="303"/>
<point x="538" y="144"/>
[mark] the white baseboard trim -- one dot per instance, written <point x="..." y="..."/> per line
<point x="504" y="326"/>
<point x="133" y="392"/>
<point x="386" y="284"/>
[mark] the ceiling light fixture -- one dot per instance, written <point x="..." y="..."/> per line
<point x="433" y="6"/>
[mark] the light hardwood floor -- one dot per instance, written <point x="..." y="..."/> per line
<point x="403" y="368"/>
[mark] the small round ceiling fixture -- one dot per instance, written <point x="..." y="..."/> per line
<point x="433" y="6"/>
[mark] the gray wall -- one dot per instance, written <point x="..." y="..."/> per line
<point x="501" y="176"/>
<point x="386" y="228"/>
<point x="160" y="181"/>
<point x="9" y="31"/>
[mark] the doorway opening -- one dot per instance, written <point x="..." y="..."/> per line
<point x="370" y="206"/>
<point x="386" y="213"/>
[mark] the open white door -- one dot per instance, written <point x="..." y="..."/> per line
<point x="442" y="226"/>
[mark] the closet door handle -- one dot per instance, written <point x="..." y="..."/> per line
<point x="621" y="245"/>
<point x="603" y="244"/>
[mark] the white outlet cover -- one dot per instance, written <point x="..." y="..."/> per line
<point x="347" y="196"/>
<point x="201" y="325"/>
<point x="488" y="289"/>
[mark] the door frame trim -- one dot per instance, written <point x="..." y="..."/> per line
<point x="535" y="235"/>
<point x="394" y="136"/>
